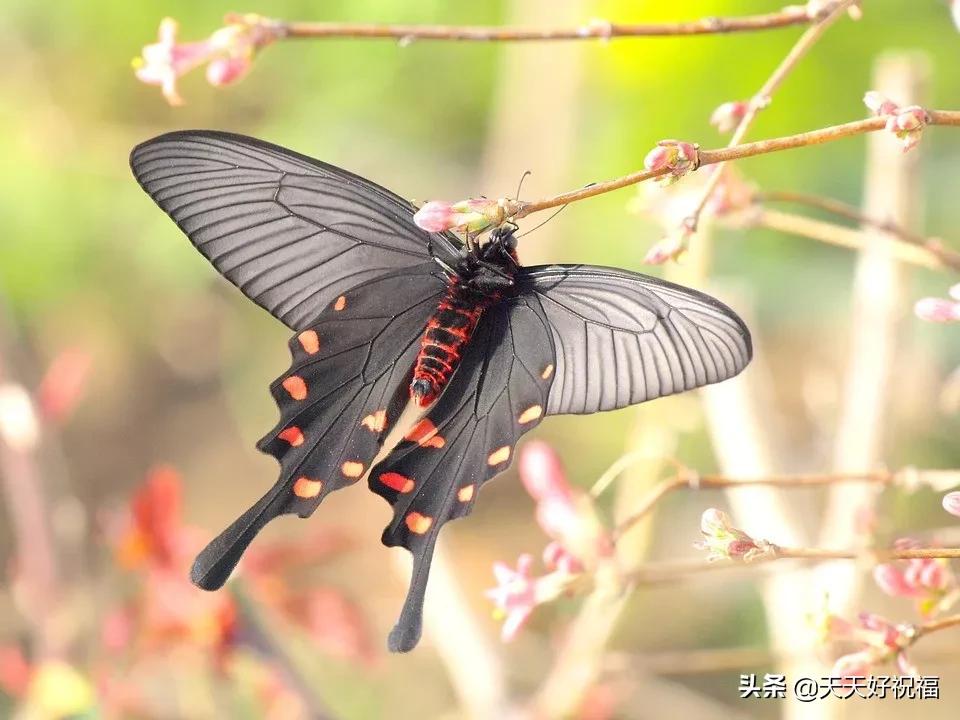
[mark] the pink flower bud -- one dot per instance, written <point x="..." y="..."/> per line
<point x="951" y="503"/>
<point x="671" y="247"/>
<point x="674" y="155"/>
<point x="223" y="71"/>
<point x="63" y="384"/>
<point x="853" y="665"/>
<point x="722" y="539"/>
<point x="937" y="310"/>
<point x="557" y="557"/>
<point x="472" y="215"/>
<point x="542" y="472"/>
<point x="879" y="104"/>
<point x="891" y="580"/>
<point x="728" y="115"/>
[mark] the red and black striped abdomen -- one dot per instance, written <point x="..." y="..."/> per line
<point x="448" y="330"/>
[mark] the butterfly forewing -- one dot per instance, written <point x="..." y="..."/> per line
<point x="498" y="393"/>
<point x="347" y="385"/>
<point x="624" y="338"/>
<point x="291" y="232"/>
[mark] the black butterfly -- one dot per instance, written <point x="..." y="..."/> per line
<point x="386" y="312"/>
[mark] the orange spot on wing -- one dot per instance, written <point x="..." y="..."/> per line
<point x="306" y="488"/>
<point x="500" y="455"/>
<point x="424" y="433"/>
<point x="400" y="483"/>
<point x="352" y="469"/>
<point x="296" y="386"/>
<point x="340" y="304"/>
<point x="418" y="523"/>
<point x="530" y="414"/>
<point x="292" y="435"/>
<point x="547" y="372"/>
<point x="310" y="341"/>
<point x="465" y="494"/>
<point x="376" y="422"/>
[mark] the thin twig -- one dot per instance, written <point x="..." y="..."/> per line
<point x="668" y="571"/>
<point x="763" y="98"/>
<point x="593" y="30"/>
<point x="690" y="479"/>
<point x="736" y="152"/>
<point x="932" y="255"/>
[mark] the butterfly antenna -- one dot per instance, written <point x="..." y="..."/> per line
<point x="537" y="227"/>
<point x="520" y="184"/>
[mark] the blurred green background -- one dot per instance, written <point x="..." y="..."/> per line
<point x="181" y="362"/>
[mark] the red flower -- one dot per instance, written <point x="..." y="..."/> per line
<point x="155" y="535"/>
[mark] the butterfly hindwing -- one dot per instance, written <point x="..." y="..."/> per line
<point x="291" y="232"/>
<point x="498" y="392"/>
<point x="347" y="384"/>
<point x="623" y="338"/>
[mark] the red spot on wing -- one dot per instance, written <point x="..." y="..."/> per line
<point x="292" y="435"/>
<point x="352" y="469"/>
<point x="424" y="433"/>
<point x="465" y="494"/>
<point x="418" y="523"/>
<point x="340" y="304"/>
<point x="398" y="482"/>
<point x="310" y="341"/>
<point x="296" y="386"/>
<point x="375" y="422"/>
<point x="530" y="414"/>
<point x="500" y="455"/>
<point x="304" y="487"/>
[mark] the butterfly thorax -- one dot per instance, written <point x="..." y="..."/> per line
<point x="481" y="278"/>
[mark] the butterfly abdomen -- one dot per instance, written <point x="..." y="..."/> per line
<point x="448" y="331"/>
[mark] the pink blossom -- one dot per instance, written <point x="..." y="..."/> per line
<point x="473" y="215"/>
<point x="728" y="115"/>
<point x="937" y="310"/>
<point x="228" y="53"/>
<point x="907" y="123"/>
<point x="929" y="581"/>
<point x="515" y="595"/>
<point x="722" y="539"/>
<point x="951" y="503"/>
<point x="676" y="156"/>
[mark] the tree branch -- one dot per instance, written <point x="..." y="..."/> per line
<point x="736" y="152"/>
<point x="593" y="30"/>
<point x="763" y="98"/>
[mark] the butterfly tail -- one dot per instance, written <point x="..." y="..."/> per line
<point x="406" y="633"/>
<point x="216" y="561"/>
